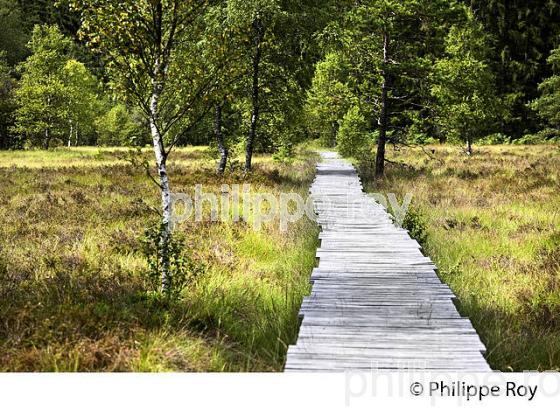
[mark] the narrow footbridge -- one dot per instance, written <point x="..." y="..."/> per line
<point x="376" y="301"/>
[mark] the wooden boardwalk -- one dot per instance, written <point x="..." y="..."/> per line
<point x="376" y="301"/>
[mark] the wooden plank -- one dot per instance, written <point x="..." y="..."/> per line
<point x="376" y="300"/>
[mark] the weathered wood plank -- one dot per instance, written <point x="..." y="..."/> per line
<point x="376" y="300"/>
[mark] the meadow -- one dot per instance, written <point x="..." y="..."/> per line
<point x="491" y="223"/>
<point x="74" y="293"/>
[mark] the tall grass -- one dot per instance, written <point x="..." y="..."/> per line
<point x="72" y="293"/>
<point x="493" y="228"/>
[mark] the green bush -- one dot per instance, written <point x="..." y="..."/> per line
<point x="284" y="153"/>
<point x="353" y="140"/>
<point x="183" y="270"/>
<point x="422" y="139"/>
<point x="118" y="127"/>
<point x="416" y="226"/>
<point x="495" y="139"/>
<point x="546" y="136"/>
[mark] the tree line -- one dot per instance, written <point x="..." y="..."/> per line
<point x="263" y="75"/>
<point x="516" y="44"/>
<point x="434" y="71"/>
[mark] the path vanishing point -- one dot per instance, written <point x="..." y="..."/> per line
<point x="376" y="301"/>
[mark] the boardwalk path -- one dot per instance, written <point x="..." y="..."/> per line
<point x="376" y="301"/>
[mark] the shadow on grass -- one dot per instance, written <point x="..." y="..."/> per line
<point x="513" y="341"/>
<point x="77" y="307"/>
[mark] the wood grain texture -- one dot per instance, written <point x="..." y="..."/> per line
<point x="376" y="301"/>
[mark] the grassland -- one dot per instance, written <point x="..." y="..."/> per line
<point x="493" y="228"/>
<point x="72" y="289"/>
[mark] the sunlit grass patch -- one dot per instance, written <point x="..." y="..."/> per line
<point x="72" y="287"/>
<point x="493" y="230"/>
<point x="177" y="351"/>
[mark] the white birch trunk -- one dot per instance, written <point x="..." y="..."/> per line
<point x="70" y="135"/>
<point x="163" y="181"/>
<point x="47" y="139"/>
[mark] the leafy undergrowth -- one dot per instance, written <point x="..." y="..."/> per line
<point x="493" y="228"/>
<point x="72" y="292"/>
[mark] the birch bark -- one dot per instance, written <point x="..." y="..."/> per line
<point x="161" y="163"/>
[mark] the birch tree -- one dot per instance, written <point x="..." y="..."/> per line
<point x="151" y="46"/>
<point x="277" y="37"/>
<point x="253" y="19"/>
<point x="223" y="51"/>
<point x="82" y="100"/>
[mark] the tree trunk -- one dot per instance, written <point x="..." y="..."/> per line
<point x="259" y="31"/>
<point x="380" y="159"/>
<point x="469" y="147"/>
<point x="220" y="140"/>
<point x="47" y="142"/>
<point x="161" y="162"/>
<point x="70" y="135"/>
<point x="76" y="135"/>
<point x="334" y="130"/>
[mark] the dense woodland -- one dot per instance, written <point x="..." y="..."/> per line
<point x="272" y="73"/>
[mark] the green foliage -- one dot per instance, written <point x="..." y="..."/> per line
<point x="546" y="136"/>
<point x="524" y="32"/>
<point x="494" y="139"/>
<point x="57" y="97"/>
<point x="118" y="127"/>
<point x="464" y="85"/>
<point x="287" y="56"/>
<point x="284" y="153"/>
<point x="388" y="48"/>
<point x="123" y="33"/>
<point x="328" y="99"/>
<point x="353" y="139"/>
<point x="182" y="269"/>
<point x="519" y="38"/>
<point x="14" y="36"/>
<point x="415" y="223"/>
<point x="82" y="100"/>
<point x="42" y="96"/>
<point x="7" y="105"/>
<point x="548" y="104"/>
<point x="49" y="12"/>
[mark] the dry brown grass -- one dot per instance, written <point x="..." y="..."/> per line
<point x="493" y="225"/>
